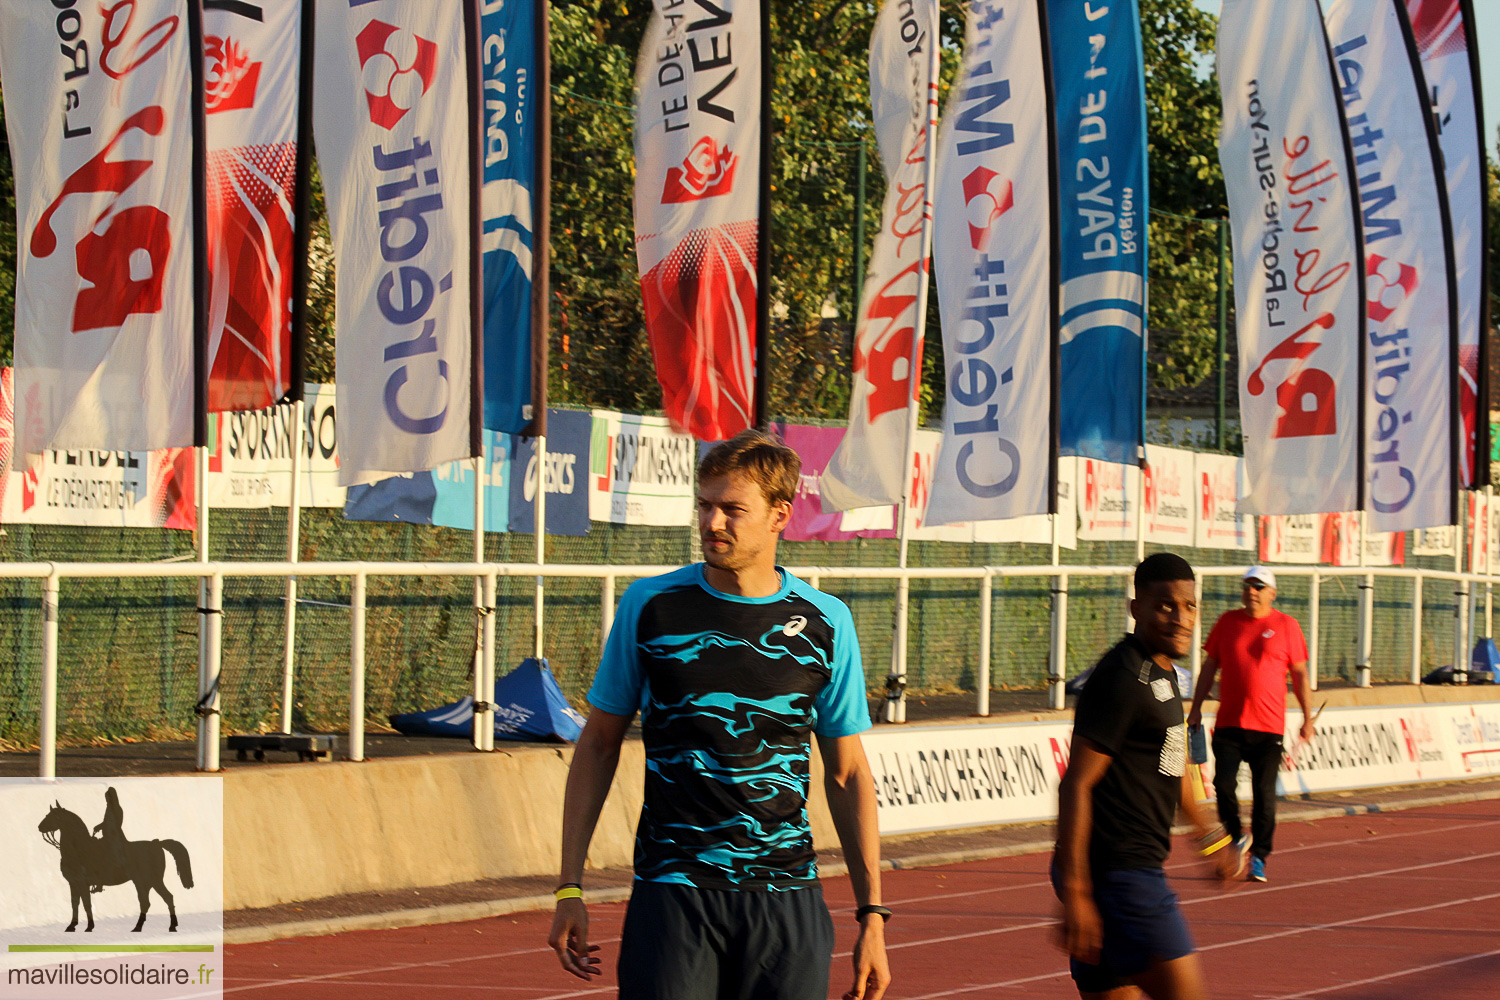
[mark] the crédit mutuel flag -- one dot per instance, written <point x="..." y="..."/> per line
<point x="98" y="103"/>
<point x="1100" y="96"/>
<point x="392" y="121"/>
<point x="992" y="250"/>
<point x="871" y="461"/>
<point x="1409" y="439"/>
<point x="252" y="69"/>
<point x="1296" y="257"/>
<point x="697" y="151"/>
<point x="1450" y="62"/>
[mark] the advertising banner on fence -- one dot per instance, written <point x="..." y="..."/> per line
<point x="1219" y="523"/>
<point x="1479" y="525"/>
<point x="1450" y="64"/>
<point x="1439" y="541"/>
<point x="816" y="445"/>
<point x="993" y="252"/>
<point x="100" y="137"/>
<point x="1100" y="97"/>
<point x="252" y="56"/>
<point x="1111" y="496"/>
<point x="1036" y="529"/>
<point x="926" y="447"/>
<point x="870" y="462"/>
<point x="508" y="54"/>
<point x="393" y="144"/>
<point x="1291" y="538"/>
<point x="641" y="471"/>
<point x="1408" y="438"/>
<point x="1341" y="543"/>
<point x="568" y="436"/>
<point x="1291" y="199"/>
<point x="1170" y="498"/>
<point x="250" y="455"/>
<point x="443" y="496"/>
<point x="697" y="180"/>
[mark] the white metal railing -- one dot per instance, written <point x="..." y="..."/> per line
<point x="212" y="575"/>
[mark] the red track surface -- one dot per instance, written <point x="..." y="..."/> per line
<point x="1379" y="907"/>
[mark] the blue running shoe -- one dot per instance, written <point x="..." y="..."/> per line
<point x="1257" y="870"/>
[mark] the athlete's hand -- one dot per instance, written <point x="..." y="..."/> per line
<point x="872" y="971"/>
<point x="1226" y="863"/>
<point x="1307" y="729"/>
<point x="570" y="939"/>
<point x="1081" y="932"/>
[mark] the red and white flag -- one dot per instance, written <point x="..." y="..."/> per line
<point x="992" y="251"/>
<point x="697" y="152"/>
<point x="1297" y="257"/>
<point x="392" y="120"/>
<point x="866" y="470"/>
<point x="252" y="66"/>
<point x="1410" y="413"/>
<point x="98" y="104"/>
<point x="1450" y="62"/>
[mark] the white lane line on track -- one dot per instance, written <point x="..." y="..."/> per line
<point x="1393" y="975"/>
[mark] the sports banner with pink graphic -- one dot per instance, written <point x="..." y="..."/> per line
<point x="1109" y="507"/>
<point x="868" y="467"/>
<point x="697" y="142"/>
<point x="98" y="104"/>
<point x="817" y="446"/>
<point x="1450" y="64"/>
<point x="1170" y="497"/>
<point x="1290" y="183"/>
<point x="1410" y="422"/>
<point x="992" y="250"/>
<point x="393" y="126"/>
<point x="1480" y="524"/>
<point x="252" y="73"/>
<point x="1219" y="523"/>
<point x="1341" y="543"/>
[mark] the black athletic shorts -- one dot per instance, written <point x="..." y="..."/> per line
<point x="683" y="943"/>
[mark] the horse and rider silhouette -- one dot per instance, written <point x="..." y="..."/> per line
<point x="89" y="862"/>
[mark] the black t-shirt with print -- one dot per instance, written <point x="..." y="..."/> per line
<point x="1131" y="708"/>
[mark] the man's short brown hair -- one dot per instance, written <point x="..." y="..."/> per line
<point x="763" y="458"/>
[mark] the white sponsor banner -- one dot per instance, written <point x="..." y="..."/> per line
<point x="1439" y="541"/>
<point x="697" y="142"/>
<point x="1450" y="66"/>
<point x="1341" y="542"/>
<point x="393" y="127"/>
<point x="1494" y="532"/>
<point x="992" y="251"/>
<point x="1219" y="524"/>
<point x="924" y="458"/>
<point x="867" y="468"/>
<point x="1410" y="418"/>
<point x="1291" y="200"/>
<point x="97" y="106"/>
<point x="1479" y="525"/>
<point x="1037" y="528"/>
<point x="250" y="464"/>
<point x="1170" y="496"/>
<point x="1111" y="499"/>
<point x="937" y="777"/>
<point x="1291" y="538"/>
<point x="252" y="71"/>
<point x="641" y="471"/>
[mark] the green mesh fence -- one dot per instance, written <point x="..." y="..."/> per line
<point x="129" y="648"/>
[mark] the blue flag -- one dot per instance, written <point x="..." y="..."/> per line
<point x="508" y="28"/>
<point x="1100" y="100"/>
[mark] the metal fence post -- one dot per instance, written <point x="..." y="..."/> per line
<point x="212" y="616"/>
<point x="48" y="734"/>
<point x="1314" y="626"/>
<point x="1416" y="629"/>
<point x="357" y="667"/>
<point x="487" y="655"/>
<point x="1057" y="661"/>
<point x="1362" y="672"/>
<point x="986" y="610"/>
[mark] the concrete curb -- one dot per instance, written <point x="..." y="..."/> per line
<point x="456" y="912"/>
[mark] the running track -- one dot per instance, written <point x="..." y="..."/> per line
<point x="1385" y="906"/>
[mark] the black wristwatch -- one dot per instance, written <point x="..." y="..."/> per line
<point x="884" y="912"/>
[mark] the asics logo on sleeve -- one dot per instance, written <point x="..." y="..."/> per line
<point x="795" y="626"/>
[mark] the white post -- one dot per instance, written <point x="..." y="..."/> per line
<point x="209" y="675"/>
<point x="293" y="554"/>
<point x="47" y="764"/>
<point x="357" y="667"/>
<point x="1461" y="600"/>
<point x="484" y="719"/>
<point x="538" y="635"/>
<point x="606" y="608"/>
<point x="487" y="652"/>
<point x="1416" y="628"/>
<point x="1314" y="627"/>
<point x="206" y="753"/>
<point x="1362" y="671"/>
<point x="895" y="684"/>
<point x="1489" y="563"/>
<point x="1057" y="657"/>
<point x="986" y="610"/>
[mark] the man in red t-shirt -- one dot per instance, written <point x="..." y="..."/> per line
<point x="1257" y="646"/>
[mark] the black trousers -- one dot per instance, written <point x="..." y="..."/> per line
<point x="1262" y="751"/>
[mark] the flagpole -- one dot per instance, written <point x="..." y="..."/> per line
<point x="763" y="236"/>
<point x="541" y="299"/>
<point x="297" y="390"/>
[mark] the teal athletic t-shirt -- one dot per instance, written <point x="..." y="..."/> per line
<point x="728" y="689"/>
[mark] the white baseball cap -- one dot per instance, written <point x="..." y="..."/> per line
<point x="1263" y="574"/>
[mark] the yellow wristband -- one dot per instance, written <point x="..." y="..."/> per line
<point x="568" y="892"/>
<point x="1216" y="847"/>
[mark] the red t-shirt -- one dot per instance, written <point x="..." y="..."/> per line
<point x="1254" y="655"/>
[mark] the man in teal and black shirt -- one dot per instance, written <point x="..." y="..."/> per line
<point x="732" y="663"/>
